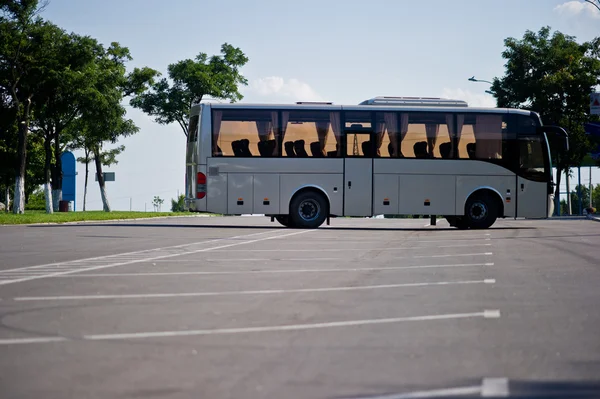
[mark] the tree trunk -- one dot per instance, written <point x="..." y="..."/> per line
<point x="101" y="183"/>
<point x="19" y="201"/>
<point x="87" y="172"/>
<point x="47" y="172"/>
<point x="57" y="175"/>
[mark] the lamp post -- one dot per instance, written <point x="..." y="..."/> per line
<point x="472" y="79"/>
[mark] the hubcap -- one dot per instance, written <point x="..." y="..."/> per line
<point x="309" y="210"/>
<point x="478" y="211"/>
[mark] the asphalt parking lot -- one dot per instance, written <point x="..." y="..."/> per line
<point x="239" y="307"/>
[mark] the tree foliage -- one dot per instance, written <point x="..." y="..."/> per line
<point x="219" y="77"/>
<point x="554" y="75"/>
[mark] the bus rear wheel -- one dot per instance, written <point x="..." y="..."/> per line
<point x="308" y="210"/>
<point x="481" y="211"/>
<point x="284" y="220"/>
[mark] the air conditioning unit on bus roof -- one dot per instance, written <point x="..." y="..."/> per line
<point x="415" y="101"/>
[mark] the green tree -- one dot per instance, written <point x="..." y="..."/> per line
<point x="190" y="81"/>
<point x="103" y="118"/>
<point x="24" y="40"/>
<point x="157" y="202"/>
<point x="60" y="102"/>
<point x="178" y="205"/>
<point x="554" y="76"/>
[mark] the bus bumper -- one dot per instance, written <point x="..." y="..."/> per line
<point x="191" y="205"/>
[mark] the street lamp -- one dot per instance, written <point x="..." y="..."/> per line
<point x="472" y="79"/>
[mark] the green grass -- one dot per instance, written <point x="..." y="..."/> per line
<point x="64" y="217"/>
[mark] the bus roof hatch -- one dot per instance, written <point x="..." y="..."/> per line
<point x="415" y="101"/>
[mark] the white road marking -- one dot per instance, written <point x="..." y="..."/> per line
<point x="490" y="387"/>
<point x="357" y="249"/>
<point x="434" y="393"/>
<point x="330" y="270"/>
<point x="203" y="260"/>
<point x="162" y="254"/>
<point x="242" y="330"/>
<point x="250" y="292"/>
<point x="495" y="387"/>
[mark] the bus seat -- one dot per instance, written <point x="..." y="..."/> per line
<point x="391" y="149"/>
<point x="299" y="148"/>
<point x="245" y="146"/>
<point x="266" y="148"/>
<point x="445" y="150"/>
<point x="471" y="150"/>
<point x="263" y="148"/>
<point x="289" y="149"/>
<point x="236" y="146"/>
<point x="315" y="149"/>
<point x="272" y="145"/>
<point x="420" y="150"/>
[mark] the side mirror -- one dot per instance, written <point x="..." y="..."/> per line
<point x="558" y="132"/>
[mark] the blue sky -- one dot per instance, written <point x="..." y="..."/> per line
<point x="340" y="51"/>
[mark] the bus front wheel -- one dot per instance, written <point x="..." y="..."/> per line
<point x="284" y="220"/>
<point x="481" y="211"/>
<point x="308" y="210"/>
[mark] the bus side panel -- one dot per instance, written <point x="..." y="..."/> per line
<point x="427" y="194"/>
<point x="239" y="193"/>
<point x="331" y="184"/>
<point x="266" y="194"/>
<point x="217" y="193"/>
<point x="385" y="194"/>
<point x="504" y="185"/>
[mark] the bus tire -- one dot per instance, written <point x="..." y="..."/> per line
<point x="308" y="210"/>
<point x="481" y="211"/>
<point x="284" y="220"/>
<point x="457" y="221"/>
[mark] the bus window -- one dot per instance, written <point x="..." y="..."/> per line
<point x="245" y="133"/>
<point x="315" y="134"/>
<point x="426" y="135"/>
<point x="193" y="128"/>
<point x="482" y="136"/>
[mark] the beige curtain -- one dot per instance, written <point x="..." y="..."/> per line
<point x="217" y="117"/>
<point x="334" y="119"/>
<point x="391" y="123"/>
<point x="431" y="130"/>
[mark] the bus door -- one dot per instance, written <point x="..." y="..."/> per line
<point x="533" y="178"/>
<point x="358" y="164"/>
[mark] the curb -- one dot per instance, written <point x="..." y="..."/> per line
<point x="594" y="218"/>
<point x="108" y="220"/>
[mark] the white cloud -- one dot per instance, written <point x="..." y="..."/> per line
<point x="473" y="99"/>
<point x="575" y="8"/>
<point x="276" y="88"/>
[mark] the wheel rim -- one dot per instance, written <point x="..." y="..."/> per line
<point x="309" y="210"/>
<point x="478" y="211"/>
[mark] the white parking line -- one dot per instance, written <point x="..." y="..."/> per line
<point x="242" y="330"/>
<point x="483" y="390"/>
<point x="494" y="387"/>
<point x="330" y="270"/>
<point x="204" y="260"/>
<point x="253" y="292"/>
<point x="357" y="249"/>
<point x="161" y="253"/>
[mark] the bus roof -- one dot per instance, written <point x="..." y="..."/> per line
<point x="383" y="108"/>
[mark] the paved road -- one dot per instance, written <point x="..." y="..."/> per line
<point x="241" y="308"/>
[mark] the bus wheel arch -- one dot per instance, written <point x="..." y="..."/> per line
<point x="482" y="207"/>
<point x="309" y="207"/>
